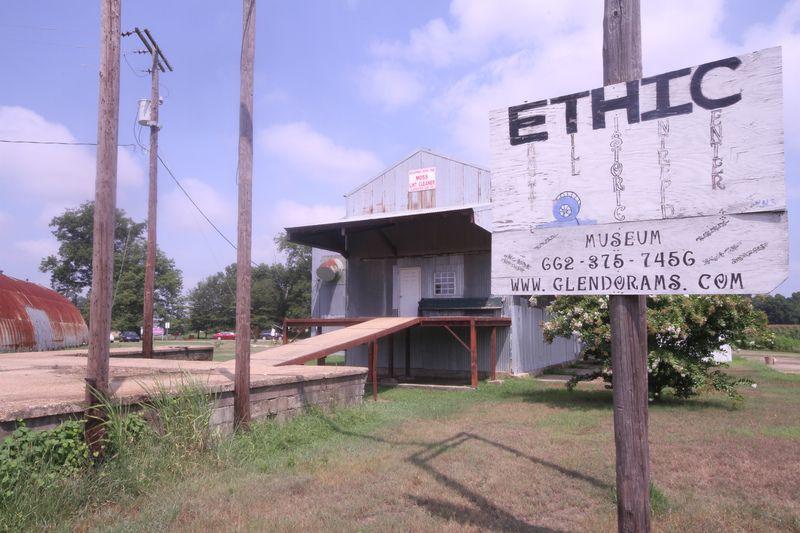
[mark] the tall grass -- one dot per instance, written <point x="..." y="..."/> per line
<point x="143" y="447"/>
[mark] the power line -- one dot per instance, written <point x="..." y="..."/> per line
<point x="186" y="193"/>
<point x="64" y="143"/>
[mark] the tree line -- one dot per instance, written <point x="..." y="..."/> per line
<point x="779" y="309"/>
<point x="278" y="290"/>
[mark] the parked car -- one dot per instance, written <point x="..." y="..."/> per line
<point x="129" y="336"/>
<point x="272" y="334"/>
<point x="224" y="336"/>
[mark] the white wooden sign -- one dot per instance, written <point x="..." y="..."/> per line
<point x="666" y="154"/>
<point x="699" y="255"/>
<point x="422" y="179"/>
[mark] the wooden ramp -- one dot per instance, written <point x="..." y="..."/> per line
<point x="299" y="352"/>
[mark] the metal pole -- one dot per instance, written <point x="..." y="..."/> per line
<point x="241" y="397"/>
<point x="104" y="221"/>
<point x="622" y="61"/>
<point x="152" y="202"/>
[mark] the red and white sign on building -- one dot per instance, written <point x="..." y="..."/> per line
<point x="422" y="179"/>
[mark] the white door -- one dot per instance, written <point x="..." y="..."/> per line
<point x="410" y="283"/>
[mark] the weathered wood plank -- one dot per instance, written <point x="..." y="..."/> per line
<point x="699" y="141"/>
<point x="724" y="254"/>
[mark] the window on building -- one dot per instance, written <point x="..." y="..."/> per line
<point x="444" y="283"/>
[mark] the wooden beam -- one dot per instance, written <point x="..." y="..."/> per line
<point x="391" y="355"/>
<point x="388" y="242"/>
<point x="493" y="354"/>
<point x="408" y="352"/>
<point x="373" y="368"/>
<point x="241" y="386"/>
<point x="622" y="61"/>
<point x="455" y="335"/>
<point x="105" y="198"/>
<point x="473" y="354"/>
<point x="152" y="210"/>
<point x="321" y="360"/>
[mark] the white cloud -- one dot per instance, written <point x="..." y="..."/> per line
<point x="390" y="84"/>
<point x="51" y="172"/>
<point x="287" y="213"/>
<point x="37" y="248"/>
<point x="479" y="29"/>
<point x="784" y="31"/>
<point x="314" y="156"/>
<point x="179" y="213"/>
<point x="524" y="50"/>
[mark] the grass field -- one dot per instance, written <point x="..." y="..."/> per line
<point x="521" y="456"/>
<point x="223" y="350"/>
<point x="787" y="337"/>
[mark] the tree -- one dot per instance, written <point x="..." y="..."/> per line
<point x="71" y="268"/>
<point x="779" y="309"/>
<point x="682" y="333"/>
<point x="296" y="280"/>
<point x="212" y="303"/>
<point x="279" y="291"/>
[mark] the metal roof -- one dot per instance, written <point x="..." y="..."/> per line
<point x="333" y="235"/>
<point x="33" y="317"/>
<point x="406" y="158"/>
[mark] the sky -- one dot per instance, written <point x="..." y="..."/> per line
<point x="343" y="89"/>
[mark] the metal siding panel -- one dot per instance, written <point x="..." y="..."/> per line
<point x="327" y="299"/>
<point x="535" y="354"/>
<point x="456" y="184"/>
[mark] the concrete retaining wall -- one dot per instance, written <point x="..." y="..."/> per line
<point x="278" y="398"/>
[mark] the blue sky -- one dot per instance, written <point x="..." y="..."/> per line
<point x="343" y="89"/>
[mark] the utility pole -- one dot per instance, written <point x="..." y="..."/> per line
<point x="105" y="199"/>
<point x="622" y="61"/>
<point x="152" y="194"/>
<point x="241" y="387"/>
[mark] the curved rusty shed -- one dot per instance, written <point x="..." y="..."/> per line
<point x="33" y="317"/>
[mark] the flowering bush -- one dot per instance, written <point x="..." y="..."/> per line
<point x="682" y="333"/>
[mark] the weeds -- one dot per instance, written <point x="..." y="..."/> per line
<point x="47" y="476"/>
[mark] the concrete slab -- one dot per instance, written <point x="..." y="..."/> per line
<point x="35" y="384"/>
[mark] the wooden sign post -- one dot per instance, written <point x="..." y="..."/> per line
<point x="622" y="61"/>
<point x="668" y="184"/>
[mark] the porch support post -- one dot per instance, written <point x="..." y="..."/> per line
<point x="473" y="353"/>
<point x="321" y="360"/>
<point x="493" y="354"/>
<point x="408" y="352"/>
<point x="373" y="368"/>
<point x="391" y="355"/>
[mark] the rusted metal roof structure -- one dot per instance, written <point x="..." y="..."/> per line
<point x="33" y="317"/>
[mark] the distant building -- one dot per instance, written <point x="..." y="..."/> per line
<point x="416" y="241"/>
<point x="35" y="318"/>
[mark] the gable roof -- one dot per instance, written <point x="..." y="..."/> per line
<point x="409" y="156"/>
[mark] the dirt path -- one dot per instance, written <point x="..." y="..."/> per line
<point x="788" y="363"/>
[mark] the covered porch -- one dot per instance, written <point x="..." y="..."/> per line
<point x="429" y="263"/>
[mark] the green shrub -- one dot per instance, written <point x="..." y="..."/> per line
<point x="682" y="333"/>
<point x="41" y="457"/>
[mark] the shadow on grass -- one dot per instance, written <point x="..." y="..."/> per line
<point x="484" y="513"/>
<point x="592" y="399"/>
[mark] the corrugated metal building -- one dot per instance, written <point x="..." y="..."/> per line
<point x="33" y="317"/>
<point x="416" y="241"/>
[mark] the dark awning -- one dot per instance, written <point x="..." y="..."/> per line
<point x="400" y="234"/>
